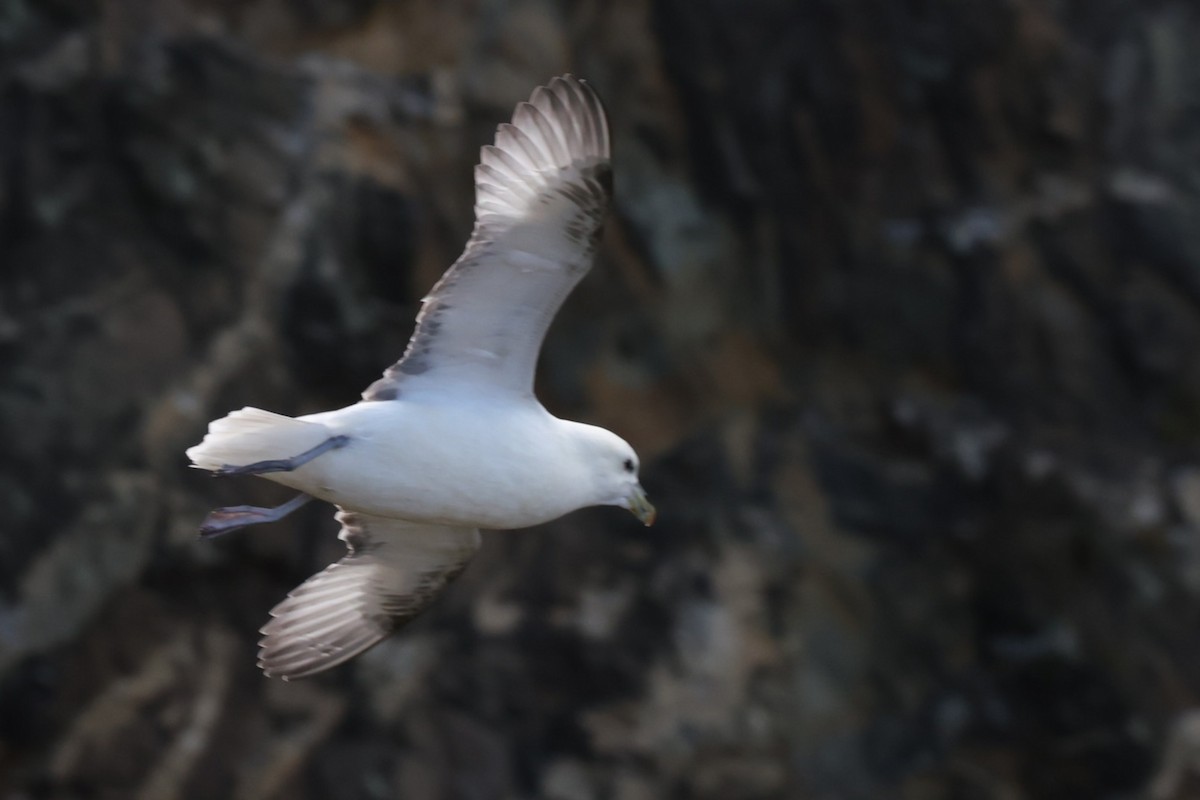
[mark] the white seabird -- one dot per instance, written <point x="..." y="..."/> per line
<point x="451" y="439"/>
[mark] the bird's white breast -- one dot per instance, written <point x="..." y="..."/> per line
<point x="469" y="463"/>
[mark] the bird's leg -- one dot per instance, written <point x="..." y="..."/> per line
<point x="231" y="518"/>
<point x="284" y="464"/>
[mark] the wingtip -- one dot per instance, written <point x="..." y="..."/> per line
<point x="562" y="122"/>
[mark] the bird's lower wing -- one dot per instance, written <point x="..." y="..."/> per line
<point x="393" y="571"/>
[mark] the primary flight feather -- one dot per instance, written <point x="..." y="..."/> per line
<point x="451" y="438"/>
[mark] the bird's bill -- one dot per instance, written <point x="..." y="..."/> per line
<point x="639" y="505"/>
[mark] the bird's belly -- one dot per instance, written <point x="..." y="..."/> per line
<point x="434" y="470"/>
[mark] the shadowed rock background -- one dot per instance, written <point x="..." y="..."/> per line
<point x="900" y="301"/>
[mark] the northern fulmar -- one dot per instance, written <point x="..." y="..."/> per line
<point x="451" y="439"/>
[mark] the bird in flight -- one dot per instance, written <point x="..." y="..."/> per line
<point x="451" y="439"/>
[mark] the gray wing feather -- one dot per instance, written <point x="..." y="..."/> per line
<point x="540" y="196"/>
<point x="393" y="572"/>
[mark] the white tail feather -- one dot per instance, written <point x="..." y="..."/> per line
<point x="251" y="434"/>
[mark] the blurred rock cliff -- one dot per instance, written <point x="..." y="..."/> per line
<point x="900" y="301"/>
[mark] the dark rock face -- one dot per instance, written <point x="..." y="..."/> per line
<point x="900" y="302"/>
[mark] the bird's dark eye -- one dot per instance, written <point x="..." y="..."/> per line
<point x="629" y="465"/>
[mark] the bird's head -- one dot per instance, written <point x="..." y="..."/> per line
<point x="614" y="467"/>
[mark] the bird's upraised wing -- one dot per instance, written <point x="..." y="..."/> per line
<point x="540" y="196"/>
<point x="393" y="571"/>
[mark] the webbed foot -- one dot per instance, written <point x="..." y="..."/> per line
<point x="283" y="464"/>
<point x="231" y="518"/>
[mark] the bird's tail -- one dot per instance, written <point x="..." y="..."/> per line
<point x="250" y="435"/>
